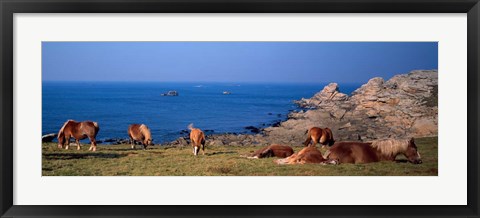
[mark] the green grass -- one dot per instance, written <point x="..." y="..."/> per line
<point x="120" y="160"/>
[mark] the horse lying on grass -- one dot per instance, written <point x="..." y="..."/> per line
<point x="272" y="151"/>
<point x="197" y="139"/>
<point x="319" y="135"/>
<point x="357" y="153"/>
<point x="141" y="133"/>
<point x="78" y="131"/>
<point x="379" y="150"/>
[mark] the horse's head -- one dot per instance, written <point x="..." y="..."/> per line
<point x="148" y="141"/>
<point x="412" y="153"/>
<point x="61" y="140"/>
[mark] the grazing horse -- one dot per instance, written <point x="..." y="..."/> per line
<point x="316" y="135"/>
<point x="140" y="132"/>
<point x="272" y="151"/>
<point x="309" y="154"/>
<point x="79" y="131"/>
<point x="197" y="138"/>
<point x="379" y="150"/>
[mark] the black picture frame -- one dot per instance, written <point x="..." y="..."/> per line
<point x="9" y="7"/>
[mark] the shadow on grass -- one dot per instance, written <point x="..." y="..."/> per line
<point x="123" y="149"/>
<point x="70" y="156"/>
<point x="401" y="161"/>
<point x="130" y="149"/>
<point x="221" y="152"/>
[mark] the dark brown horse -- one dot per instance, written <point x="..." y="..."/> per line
<point x="319" y="135"/>
<point x="379" y="150"/>
<point x="273" y="151"/>
<point x="309" y="154"/>
<point x="197" y="139"/>
<point x="78" y="131"/>
<point x="141" y="133"/>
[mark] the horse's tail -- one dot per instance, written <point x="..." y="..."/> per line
<point x="190" y="126"/>
<point x="97" y="128"/>
<point x="309" y="136"/>
<point x="203" y="139"/>
<point x="332" y="140"/>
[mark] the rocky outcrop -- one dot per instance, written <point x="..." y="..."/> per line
<point x="49" y="137"/>
<point x="405" y="105"/>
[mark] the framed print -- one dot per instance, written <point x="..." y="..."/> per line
<point x="245" y="108"/>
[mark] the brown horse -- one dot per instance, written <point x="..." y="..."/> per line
<point x="273" y="151"/>
<point x="316" y="135"/>
<point x="309" y="154"/>
<point x="379" y="150"/>
<point x="140" y="132"/>
<point x="78" y="131"/>
<point x="197" y="139"/>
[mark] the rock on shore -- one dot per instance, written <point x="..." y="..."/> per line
<point x="405" y="105"/>
<point x="49" y="137"/>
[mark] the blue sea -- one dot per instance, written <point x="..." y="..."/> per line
<point x="115" y="105"/>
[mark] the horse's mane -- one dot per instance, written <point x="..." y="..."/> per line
<point x="146" y="132"/>
<point x="190" y="126"/>
<point x="391" y="147"/>
<point x="60" y="133"/>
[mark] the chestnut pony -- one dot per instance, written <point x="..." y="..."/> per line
<point x="141" y="133"/>
<point x="197" y="138"/>
<point x="272" y="151"/>
<point x="319" y="135"/>
<point x="379" y="150"/>
<point x="78" y="131"/>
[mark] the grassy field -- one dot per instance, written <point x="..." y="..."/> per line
<point x="120" y="160"/>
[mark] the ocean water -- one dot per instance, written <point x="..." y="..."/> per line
<point x="115" y="105"/>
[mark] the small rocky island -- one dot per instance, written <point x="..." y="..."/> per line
<point x="170" y="93"/>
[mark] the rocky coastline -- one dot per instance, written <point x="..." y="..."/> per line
<point x="404" y="106"/>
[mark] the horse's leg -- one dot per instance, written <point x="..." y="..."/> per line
<point x="322" y="140"/>
<point x="203" y="149"/>
<point x="67" y="140"/>
<point x="78" y="143"/>
<point x="144" y="146"/>
<point x="195" y="150"/>
<point x="132" y="143"/>
<point x="91" y="144"/>
<point x="94" y="144"/>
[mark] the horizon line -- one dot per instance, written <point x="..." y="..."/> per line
<point x="232" y="82"/>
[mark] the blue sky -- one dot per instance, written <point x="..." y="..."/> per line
<point x="279" y="62"/>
